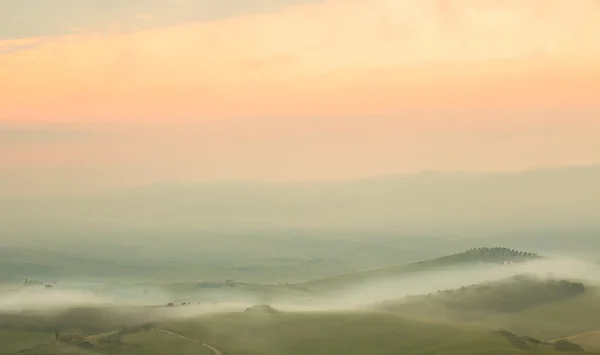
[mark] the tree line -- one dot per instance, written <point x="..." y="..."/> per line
<point x="500" y="251"/>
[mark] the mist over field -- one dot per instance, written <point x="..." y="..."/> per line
<point x="457" y="277"/>
<point x="357" y="295"/>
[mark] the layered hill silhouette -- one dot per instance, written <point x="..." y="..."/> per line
<point x="541" y="200"/>
<point x="484" y="255"/>
<point x="513" y="294"/>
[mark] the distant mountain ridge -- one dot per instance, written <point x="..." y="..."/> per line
<point x="425" y="204"/>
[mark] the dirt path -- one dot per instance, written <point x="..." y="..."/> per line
<point x="579" y="335"/>
<point x="210" y="347"/>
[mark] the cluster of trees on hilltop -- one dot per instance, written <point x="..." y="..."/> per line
<point x="497" y="255"/>
<point x="511" y="295"/>
<point x="500" y="251"/>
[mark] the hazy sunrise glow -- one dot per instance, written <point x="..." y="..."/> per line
<point x="385" y="77"/>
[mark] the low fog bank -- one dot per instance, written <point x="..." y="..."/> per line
<point x="192" y="300"/>
<point x="57" y="297"/>
<point x="45" y="299"/>
<point x="362" y="295"/>
<point x="421" y="283"/>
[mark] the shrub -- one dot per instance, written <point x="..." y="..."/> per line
<point x="565" y="345"/>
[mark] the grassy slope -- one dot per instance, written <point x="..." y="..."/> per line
<point x="158" y="343"/>
<point x="340" y="333"/>
<point x="447" y="261"/>
<point x="571" y="315"/>
<point x="475" y="301"/>
<point x="316" y="333"/>
<point x="13" y="340"/>
<point x="589" y="340"/>
<point x="557" y="319"/>
<point x="145" y="343"/>
<point x="188" y="290"/>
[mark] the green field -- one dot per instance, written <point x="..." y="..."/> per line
<point x="158" y="343"/>
<point x="554" y="320"/>
<point x="522" y="308"/>
<point x="328" y="333"/>
<point x="147" y="343"/>
<point x="12" y="340"/>
<point x="342" y="333"/>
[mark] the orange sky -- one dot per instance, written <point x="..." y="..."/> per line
<point x="481" y="65"/>
<point x="333" y="58"/>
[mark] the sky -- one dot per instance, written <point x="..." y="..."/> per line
<point x="106" y="93"/>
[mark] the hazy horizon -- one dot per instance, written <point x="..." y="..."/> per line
<point x="445" y="205"/>
<point x="103" y="94"/>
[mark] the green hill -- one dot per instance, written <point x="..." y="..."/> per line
<point x="343" y="333"/>
<point x="510" y="295"/>
<point x="497" y="255"/>
<point x="145" y="343"/>
<point x="289" y="333"/>
<point x="553" y="320"/>
<point x="542" y="308"/>
<point x="327" y="333"/>
<point x="12" y="340"/>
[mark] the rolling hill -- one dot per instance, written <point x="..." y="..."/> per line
<point x="478" y="256"/>
<point x="552" y="320"/>
<point x="477" y="301"/>
<point x="543" y="308"/>
<point x="330" y="333"/>
<point x="149" y="343"/>
<point x="327" y="333"/>
<point x="339" y="284"/>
